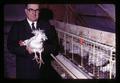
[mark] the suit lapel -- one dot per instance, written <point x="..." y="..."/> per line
<point x="38" y="26"/>
<point x="27" y="27"/>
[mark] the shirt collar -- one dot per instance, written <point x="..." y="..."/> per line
<point x="30" y="23"/>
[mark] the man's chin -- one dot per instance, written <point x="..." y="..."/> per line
<point x="34" y="20"/>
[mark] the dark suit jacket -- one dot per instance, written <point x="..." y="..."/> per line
<point x="26" y="68"/>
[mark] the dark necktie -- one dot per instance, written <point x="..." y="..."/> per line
<point x="33" y="27"/>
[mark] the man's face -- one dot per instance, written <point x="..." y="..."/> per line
<point x="32" y="12"/>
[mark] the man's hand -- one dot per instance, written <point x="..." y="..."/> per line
<point x="29" y="50"/>
<point x="21" y="43"/>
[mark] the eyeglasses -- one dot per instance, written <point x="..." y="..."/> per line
<point x="32" y="10"/>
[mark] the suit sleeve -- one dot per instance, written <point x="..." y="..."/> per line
<point x="13" y="42"/>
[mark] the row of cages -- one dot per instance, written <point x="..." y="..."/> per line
<point x="96" y="59"/>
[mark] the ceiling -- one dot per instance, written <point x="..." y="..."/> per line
<point x="97" y="16"/>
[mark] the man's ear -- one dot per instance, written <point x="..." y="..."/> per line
<point x="25" y="10"/>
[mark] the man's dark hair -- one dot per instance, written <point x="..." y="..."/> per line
<point x="26" y="5"/>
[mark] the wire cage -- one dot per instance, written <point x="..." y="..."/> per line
<point x="94" y="58"/>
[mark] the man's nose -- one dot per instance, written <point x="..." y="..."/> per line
<point x="35" y="13"/>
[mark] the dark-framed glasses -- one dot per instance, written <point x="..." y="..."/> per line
<point x="32" y="10"/>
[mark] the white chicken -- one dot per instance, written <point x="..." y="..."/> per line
<point x="36" y="44"/>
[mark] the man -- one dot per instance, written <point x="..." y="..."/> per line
<point x="26" y="68"/>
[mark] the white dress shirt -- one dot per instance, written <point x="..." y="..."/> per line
<point x="30" y="23"/>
